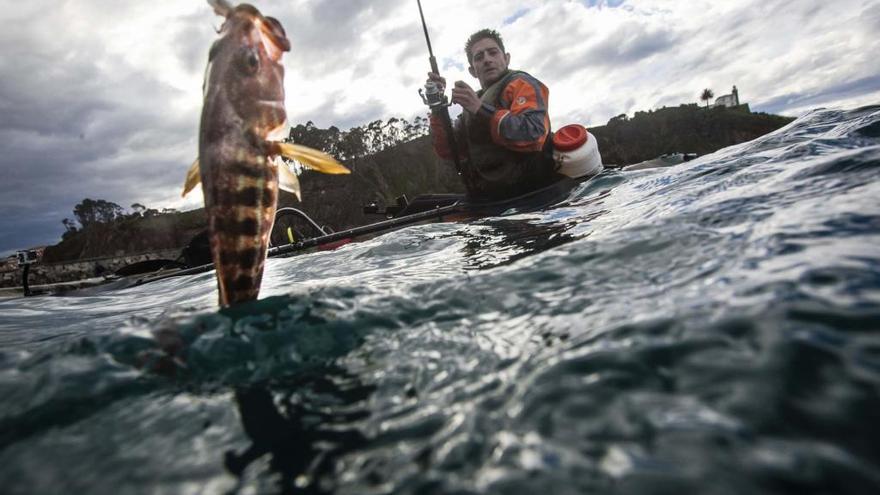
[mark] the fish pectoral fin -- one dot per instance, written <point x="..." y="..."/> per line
<point x="193" y="177"/>
<point x="287" y="180"/>
<point x="311" y="158"/>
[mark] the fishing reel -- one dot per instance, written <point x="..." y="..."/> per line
<point x="433" y="96"/>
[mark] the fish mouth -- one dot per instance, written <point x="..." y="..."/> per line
<point x="275" y="124"/>
<point x="279" y="104"/>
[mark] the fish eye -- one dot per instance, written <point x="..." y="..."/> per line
<point x="249" y="61"/>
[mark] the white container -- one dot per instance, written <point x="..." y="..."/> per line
<point x="576" y="152"/>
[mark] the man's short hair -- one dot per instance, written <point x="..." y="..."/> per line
<point x="479" y="35"/>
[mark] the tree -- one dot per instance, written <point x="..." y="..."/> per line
<point x="91" y="211"/>
<point x="618" y="119"/>
<point x="359" y="141"/>
<point x="69" y="225"/>
<point x="69" y="228"/>
<point x="706" y="96"/>
<point x="138" y="209"/>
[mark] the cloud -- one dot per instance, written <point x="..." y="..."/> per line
<point x="342" y="112"/>
<point x="84" y="118"/>
<point x="630" y="43"/>
<point x="516" y="15"/>
<point x="22" y="225"/>
<point x="820" y="97"/>
<point x="324" y="34"/>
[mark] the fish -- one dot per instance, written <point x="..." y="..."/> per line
<point x="239" y="163"/>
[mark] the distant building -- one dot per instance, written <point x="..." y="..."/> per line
<point x="731" y="100"/>
<point x="9" y="264"/>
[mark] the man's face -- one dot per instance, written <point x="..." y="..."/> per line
<point x="488" y="61"/>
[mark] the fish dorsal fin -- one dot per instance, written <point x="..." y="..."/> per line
<point x="311" y="158"/>
<point x="193" y="177"/>
<point x="287" y="180"/>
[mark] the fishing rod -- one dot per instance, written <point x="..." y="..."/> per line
<point x="435" y="98"/>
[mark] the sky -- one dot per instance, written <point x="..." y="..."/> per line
<point x="101" y="99"/>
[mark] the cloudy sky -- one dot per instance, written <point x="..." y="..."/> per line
<point x="101" y="98"/>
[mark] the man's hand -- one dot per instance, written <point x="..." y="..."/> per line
<point x="436" y="78"/>
<point x="465" y="96"/>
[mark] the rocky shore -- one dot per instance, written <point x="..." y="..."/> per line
<point x="51" y="274"/>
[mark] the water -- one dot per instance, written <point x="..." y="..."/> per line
<point x="704" y="328"/>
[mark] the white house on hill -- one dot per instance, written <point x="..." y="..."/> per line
<point x="731" y="100"/>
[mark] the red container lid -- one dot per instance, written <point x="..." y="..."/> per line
<point x="570" y="137"/>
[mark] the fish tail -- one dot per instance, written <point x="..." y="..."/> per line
<point x="241" y="222"/>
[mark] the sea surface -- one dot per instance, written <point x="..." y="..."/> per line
<point x="707" y="328"/>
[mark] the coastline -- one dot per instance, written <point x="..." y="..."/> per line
<point x="51" y="289"/>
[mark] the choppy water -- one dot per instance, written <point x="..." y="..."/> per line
<point x="706" y="328"/>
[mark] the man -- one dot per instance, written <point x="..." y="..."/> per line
<point x="503" y="134"/>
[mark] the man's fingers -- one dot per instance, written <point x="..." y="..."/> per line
<point x="463" y="91"/>
<point x="463" y="95"/>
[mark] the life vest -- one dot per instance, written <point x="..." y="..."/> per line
<point x="492" y="172"/>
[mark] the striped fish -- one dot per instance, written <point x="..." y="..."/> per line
<point x="239" y="164"/>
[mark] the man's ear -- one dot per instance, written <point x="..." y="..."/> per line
<point x="471" y="71"/>
<point x="507" y="59"/>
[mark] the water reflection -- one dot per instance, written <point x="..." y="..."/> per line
<point x="500" y="242"/>
<point x="503" y="240"/>
<point x="291" y="424"/>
